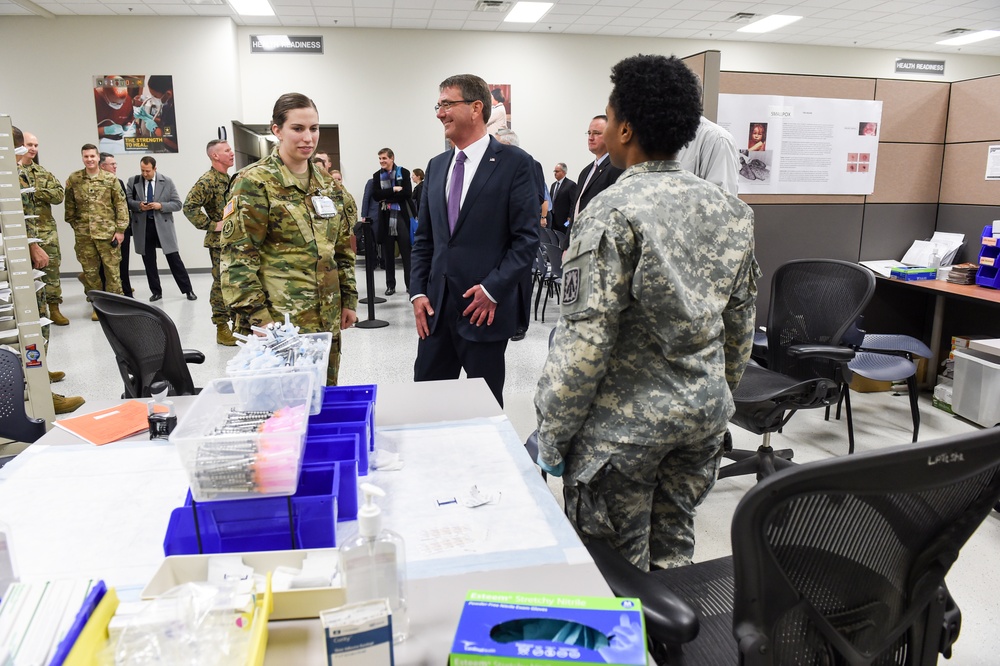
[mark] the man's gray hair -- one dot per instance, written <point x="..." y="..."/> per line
<point x="508" y="136"/>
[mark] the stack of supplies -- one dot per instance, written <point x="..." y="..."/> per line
<point x="963" y="274"/>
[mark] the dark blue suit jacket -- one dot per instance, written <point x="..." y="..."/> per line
<point x="494" y="244"/>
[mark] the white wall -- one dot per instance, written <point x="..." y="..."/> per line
<point x="379" y="86"/>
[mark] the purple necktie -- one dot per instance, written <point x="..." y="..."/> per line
<point x="455" y="192"/>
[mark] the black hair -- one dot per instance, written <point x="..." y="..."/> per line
<point x="472" y="88"/>
<point x="151" y="161"/>
<point x="160" y="83"/>
<point x="498" y="95"/>
<point x="18" y="136"/>
<point x="659" y="97"/>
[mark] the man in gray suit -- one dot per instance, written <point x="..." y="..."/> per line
<point x="153" y="200"/>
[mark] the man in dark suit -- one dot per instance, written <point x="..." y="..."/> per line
<point x="476" y="241"/>
<point x="563" y="195"/>
<point x="600" y="174"/>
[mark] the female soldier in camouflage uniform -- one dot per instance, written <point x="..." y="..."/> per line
<point x="286" y="238"/>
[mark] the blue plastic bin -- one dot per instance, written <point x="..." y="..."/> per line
<point x="324" y="450"/>
<point x="357" y="393"/>
<point x="261" y="524"/>
<point x="347" y="418"/>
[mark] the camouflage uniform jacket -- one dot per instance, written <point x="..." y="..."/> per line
<point x="279" y="257"/>
<point x="659" y="291"/>
<point x="27" y="203"/>
<point x="48" y="191"/>
<point x="209" y="193"/>
<point x="95" y="205"/>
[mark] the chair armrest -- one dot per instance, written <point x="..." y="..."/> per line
<point x="669" y="619"/>
<point x="193" y="356"/>
<point x="831" y="352"/>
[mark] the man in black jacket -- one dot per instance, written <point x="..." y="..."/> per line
<point x="392" y="190"/>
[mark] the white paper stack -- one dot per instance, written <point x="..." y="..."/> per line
<point x="940" y="250"/>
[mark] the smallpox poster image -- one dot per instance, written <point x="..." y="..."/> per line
<point x="135" y="113"/>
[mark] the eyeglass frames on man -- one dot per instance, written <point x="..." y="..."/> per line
<point x="594" y="133"/>
<point x="448" y="103"/>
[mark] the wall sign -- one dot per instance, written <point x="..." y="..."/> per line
<point x="911" y="66"/>
<point x="286" y="44"/>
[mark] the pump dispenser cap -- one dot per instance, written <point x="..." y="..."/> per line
<point x="369" y="514"/>
<point x="159" y="390"/>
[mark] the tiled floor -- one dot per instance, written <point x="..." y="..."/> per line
<point x="385" y="356"/>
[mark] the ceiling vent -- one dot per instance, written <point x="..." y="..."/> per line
<point x="955" y="32"/>
<point x="204" y="2"/>
<point x="492" y="6"/>
<point x="741" y="17"/>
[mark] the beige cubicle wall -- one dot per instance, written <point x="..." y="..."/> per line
<point x="968" y="201"/>
<point x="903" y="205"/>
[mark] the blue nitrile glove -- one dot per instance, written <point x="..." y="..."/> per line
<point x="554" y="471"/>
<point x="114" y="130"/>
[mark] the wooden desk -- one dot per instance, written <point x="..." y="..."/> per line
<point x="941" y="291"/>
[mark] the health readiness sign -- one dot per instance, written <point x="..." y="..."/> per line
<point x="286" y="44"/>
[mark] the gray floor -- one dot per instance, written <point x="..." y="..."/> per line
<point x="385" y="356"/>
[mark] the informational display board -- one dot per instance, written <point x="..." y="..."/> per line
<point x="803" y="145"/>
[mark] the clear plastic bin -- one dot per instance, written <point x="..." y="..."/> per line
<point x="264" y="462"/>
<point x="314" y="365"/>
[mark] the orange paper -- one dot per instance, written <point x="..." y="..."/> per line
<point x="109" y="425"/>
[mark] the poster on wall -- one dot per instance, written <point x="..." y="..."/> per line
<point x="500" y="111"/>
<point x="803" y="145"/>
<point x="135" y="113"/>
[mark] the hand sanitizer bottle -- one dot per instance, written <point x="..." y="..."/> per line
<point x="374" y="563"/>
<point x="161" y="421"/>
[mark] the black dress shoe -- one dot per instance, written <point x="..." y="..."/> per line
<point x="191" y="296"/>
<point x="390" y="291"/>
<point x="155" y="297"/>
<point x="518" y="335"/>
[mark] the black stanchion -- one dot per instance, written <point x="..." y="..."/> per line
<point x="370" y="261"/>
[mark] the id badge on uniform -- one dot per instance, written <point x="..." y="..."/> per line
<point x="324" y="206"/>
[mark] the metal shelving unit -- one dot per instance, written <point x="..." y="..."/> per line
<point x="19" y="275"/>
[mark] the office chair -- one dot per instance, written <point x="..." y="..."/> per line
<point x="146" y="345"/>
<point x="552" y="278"/>
<point x="841" y="561"/>
<point x="15" y="424"/>
<point x="813" y="304"/>
<point x="888" y="358"/>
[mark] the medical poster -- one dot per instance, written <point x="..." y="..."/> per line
<point x="803" y="145"/>
<point x="500" y="109"/>
<point x="135" y="113"/>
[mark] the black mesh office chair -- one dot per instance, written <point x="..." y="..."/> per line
<point x="840" y="561"/>
<point x="814" y="302"/>
<point x="15" y="424"/>
<point x="146" y="345"/>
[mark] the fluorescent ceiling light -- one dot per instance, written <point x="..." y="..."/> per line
<point x="252" y="7"/>
<point x="769" y="23"/>
<point x="971" y="38"/>
<point x="527" y="12"/>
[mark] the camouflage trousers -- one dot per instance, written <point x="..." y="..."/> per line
<point x="220" y="311"/>
<point x="640" y="500"/>
<point x="92" y="254"/>
<point x="50" y="243"/>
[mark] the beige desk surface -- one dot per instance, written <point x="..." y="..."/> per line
<point x="77" y="510"/>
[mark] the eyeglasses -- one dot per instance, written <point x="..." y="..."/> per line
<point x="594" y="133"/>
<point x="447" y="104"/>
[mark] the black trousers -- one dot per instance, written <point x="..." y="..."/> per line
<point x="173" y="261"/>
<point x="444" y="353"/>
<point x="389" y="253"/>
